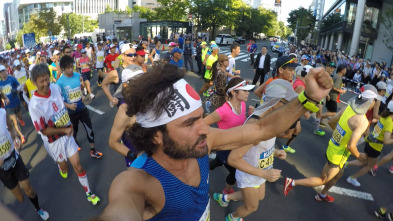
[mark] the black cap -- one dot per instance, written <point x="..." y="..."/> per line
<point x="284" y="61"/>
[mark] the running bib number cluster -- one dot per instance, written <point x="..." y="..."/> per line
<point x="266" y="159"/>
<point x="338" y="135"/>
<point x="62" y="119"/>
<point x="206" y="213"/>
<point x="7" y="89"/>
<point x="75" y="94"/>
<point x="100" y="58"/>
<point x="22" y="80"/>
<point x="377" y="129"/>
<point x="5" y="145"/>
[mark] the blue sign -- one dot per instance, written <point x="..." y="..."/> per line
<point x="29" y="40"/>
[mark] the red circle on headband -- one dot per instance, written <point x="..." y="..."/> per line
<point x="192" y="92"/>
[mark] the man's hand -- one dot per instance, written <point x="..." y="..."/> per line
<point x="114" y="101"/>
<point x="68" y="131"/>
<point x="318" y="83"/>
<point x="272" y="175"/>
<point x="280" y="154"/>
<point x="17" y="143"/>
<point x="237" y="72"/>
<point x="72" y="106"/>
<point x="362" y="157"/>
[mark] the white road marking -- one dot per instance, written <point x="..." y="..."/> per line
<point x="95" y="110"/>
<point x="344" y="102"/>
<point x="348" y="192"/>
<point x="256" y="100"/>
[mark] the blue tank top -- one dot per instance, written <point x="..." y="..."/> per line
<point x="182" y="202"/>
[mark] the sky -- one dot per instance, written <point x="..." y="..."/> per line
<point x="286" y="7"/>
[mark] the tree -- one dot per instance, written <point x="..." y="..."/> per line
<point x="305" y="22"/>
<point x="8" y="46"/>
<point x="387" y="22"/>
<point x="174" y="10"/>
<point x="144" y="12"/>
<point x="75" y="22"/>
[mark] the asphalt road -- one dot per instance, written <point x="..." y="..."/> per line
<point x="65" y="199"/>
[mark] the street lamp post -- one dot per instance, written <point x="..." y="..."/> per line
<point x="68" y="21"/>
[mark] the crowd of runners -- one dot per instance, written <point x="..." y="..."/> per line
<point x="162" y="125"/>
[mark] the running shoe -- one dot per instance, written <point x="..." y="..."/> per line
<point x="43" y="214"/>
<point x="380" y="213"/>
<point x="345" y="164"/>
<point x="287" y="185"/>
<point x="22" y="138"/>
<point x="99" y="84"/>
<point x="22" y="123"/>
<point x="64" y="175"/>
<point x="353" y="181"/>
<point x="92" y="96"/>
<point x="85" y="91"/>
<point x="374" y="170"/>
<point x="288" y="149"/>
<point x="327" y="198"/>
<point x="319" y="132"/>
<point x="206" y="94"/>
<point x="230" y="218"/>
<point x="91" y="197"/>
<point x="225" y="191"/>
<point x="96" y="154"/>
<point x="79" y="148"/>
<point x="220" y="199"/>
<point x="391" y="169"/>
<point x="390" y="216"/>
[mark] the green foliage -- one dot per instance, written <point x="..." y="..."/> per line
<point x="144" y="12"/>
<point x="305" y="19"/>
<point x="75" y="22"/>
<point x="8" y="46"/>
<point x="387" y="22"/>
<point x="174" y="10"/>
<point x="331" y="20"/>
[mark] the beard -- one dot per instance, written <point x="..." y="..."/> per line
<point x="177" y="151"/>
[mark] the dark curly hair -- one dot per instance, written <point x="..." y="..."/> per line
<point x="140" y="97"/>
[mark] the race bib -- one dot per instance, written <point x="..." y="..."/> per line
<point x="74" y="95"/>
<point x="22" y="80"/>
<point x="100" y="59"/>
<point x="377" y="129"/>
<point x="338" y="135"/>
<point x="85" y="65"/>
<point x="266" y="159"/>
<point x="7" y="89"/>
<point x="206" y="215"/>
<point x="5" y="145"/>
<point x="62" y="119"/>
<point x="113" y="63"/>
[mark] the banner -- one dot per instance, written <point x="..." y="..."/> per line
<point x="29" y="40"/>
<point x="277" y="3"/>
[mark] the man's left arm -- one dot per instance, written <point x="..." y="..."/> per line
<point x="267" y="69"/>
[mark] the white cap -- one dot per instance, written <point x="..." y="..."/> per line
<point x="56" y="52"/>
<point x="390" y="106"/>
<point x="124" y="48"/>
<point x="2" y="67"/>
<point x="130" y="71"/>
<point x="241" y="86"/>
<point x="381" y="85"/>
<point x="16" y="63"/>
<point x="27" y="51"/>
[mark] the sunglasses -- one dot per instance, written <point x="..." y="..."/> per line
<point x="288" y="62"/>
<point x="131" y="55"/>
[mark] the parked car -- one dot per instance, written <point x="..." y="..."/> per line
<point x="239" y="40"/>
<point x="227" y="39"/>
<point x="278" y="44"/>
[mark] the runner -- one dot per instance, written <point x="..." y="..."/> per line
<point x="123" y="122"/>
<point x="255" y="165"/>
<point x="155" y="54"/>
<point x="50" y="118"/>
<point x="208" y="74"/>
<point x="231" y="113"/>
<point x="231" y="69"/>
<point x="55" y="65"/>
<point x="70" y="86"/>
<point x="13" y="172"/>
<point x="84" y="63"/>
<point x="110" y="58"/>
<point x="379" y="136"/>
<point x="176" y="141"/>
<point x="9" y="86"/>
<point x="20" y="75"/>
<point x="176" y="59"/>
<point x="351" y="124"/>
<point x="99" y="63"/>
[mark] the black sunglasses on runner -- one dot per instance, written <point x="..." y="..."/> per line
<point x="131" y="55"/>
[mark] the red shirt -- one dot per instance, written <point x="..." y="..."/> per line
<point x="109" y="60"/>
<point x="297" y="83"/>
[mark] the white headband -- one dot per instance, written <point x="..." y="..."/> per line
<point x="184" y="101"/>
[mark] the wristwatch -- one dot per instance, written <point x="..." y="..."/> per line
<point x="306" y="102"/>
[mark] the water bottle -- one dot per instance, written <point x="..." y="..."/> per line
<point x="207" y="106"/>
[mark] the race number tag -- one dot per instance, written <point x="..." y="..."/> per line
<point x="7" y="89"/>
<point x="22" y="80"/>
<point x="113" y="63"/>
<point x="266" y="159"/>
<point x="338" y="135"/>
<point x="74" y="95"/>
<point x="62" y="119"/>
<point x="5" y="145"/>
<point x="377" y="129"/>
<point x="100" y="58"/>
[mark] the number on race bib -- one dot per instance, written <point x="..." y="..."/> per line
<point x="338" y="135"/>
<point x="7" y="89"/>
<point x="5" y="147"/>
<point x="266" y="163"/>
<point x="377" y="129"/>
<point x="62" y="119"/>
